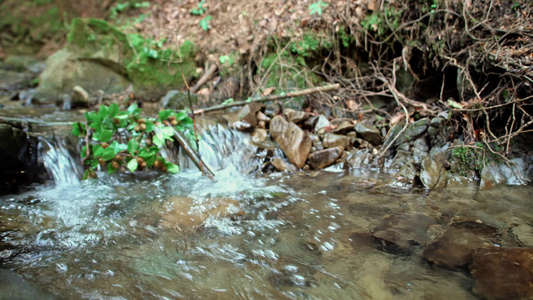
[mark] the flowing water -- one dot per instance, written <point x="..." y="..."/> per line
<point x="239" y="236"/>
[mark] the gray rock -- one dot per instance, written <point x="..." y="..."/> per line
<point x="321" y="122"/>
<point x="432" y="173"/>
<point x="331" y="140"/>
<point x="360" y="159"/>
<point x="14" y="286"/>
<point x="294" y="142"/>
<point x="411" y="133"/>
<point x="400" y="159"/>
<point x="19" y="63"/>
<point x="295" y="116"/>
<point x="13" y="80"/>
<point x="324" y="158"/>
<point x="344" y="128"/>
<point x="369" y="133"/>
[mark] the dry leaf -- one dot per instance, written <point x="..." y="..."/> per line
<point x="396" y="118"/>
<point x="267" y="91"/>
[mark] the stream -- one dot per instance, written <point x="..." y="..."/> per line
<point x="243" y="235"/>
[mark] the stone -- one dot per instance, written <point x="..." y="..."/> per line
<point x="294" y="142"/>
<point x="103" y="58"/>
<point x="10" y="80"/>
<point x="295" y="116"/>
<point x="411" y="133"/>
<point x="248" y="114"/>
<point x="331" y="140"/>
<point x="400" y="159"/>
<point x="369" y="133"/>
<point x="503" y="273"/>
<point x="310" y="123"/>
<point x="177" y="100"/>
<point x="262" y="117"/>
<point x="259" y="135"/>
<point x="344" y="128"/>
<point x="454" y="249"/>
<point x="321" y="122"/>
<point x="282" y="166"/>
<point x="524" y="234"/>
<point x="324" y="158"/>
<point x="20" y="63"/>
<point x="432" y="173"/>
<point x="400" y="233"/>
<point x="14" y="286"/>
<point x="80" y="97"/>
<point x="360" y="159"/>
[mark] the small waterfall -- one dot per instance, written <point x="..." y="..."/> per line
<point x="221" y="147"/>
<point x="62" y="166"/>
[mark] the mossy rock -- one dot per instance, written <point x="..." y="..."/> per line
<point x="108" y="59"/>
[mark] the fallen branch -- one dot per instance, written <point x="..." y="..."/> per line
<point x="204" y="78"/>
<point x="318" y="89"/>
<point x="184" y="143"/>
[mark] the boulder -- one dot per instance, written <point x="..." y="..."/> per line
<point x="80" y="97"/>
<point x="98" y="56"/>
<point x="398" y="234"/>
<point x="331" y="140"/>
<point x="454" y="249"/>
<point x="369" y="133"/>
<point x="324" y="158"/>
<point x="432" y="173"/>
<point x="248" y="114"/>
<point x="294" y="142"/>
<point x="282" y="166"/>
<point x="503" y="273"/>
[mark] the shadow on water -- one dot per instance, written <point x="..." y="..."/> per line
<point x="240" y="236"/>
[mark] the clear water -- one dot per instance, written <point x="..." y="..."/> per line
<point x="240" y="236"/>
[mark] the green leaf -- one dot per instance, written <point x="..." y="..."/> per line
<point x="97" y="150"/>
<point x="133" y="110"/>
<point x="149" y="126"/>
<point x="164" y="114"/>
<point x="113" y="110"/>
<point x="102" y="111"/>
<point x="108" y="154"/>
<point x="123" y="115"/>
<point x="78" y="129"/>
<point x="316" y="8"/>
<point x="204" y="23"/>
<point x="110" y="169"/>
<point x="228" y="101"/>
<point x="105" y="136"/>
<point x="173" y="168"/>
<point x="132" y="146"/>
<point x="86" y="174"/>
<point x="181" y="115"/>
<point x="132" y="165"/>
<point x="118" y="147"/>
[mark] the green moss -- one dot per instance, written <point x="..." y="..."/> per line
<point x="311" y="42"/>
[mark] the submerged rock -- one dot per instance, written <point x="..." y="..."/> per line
<point x="454" y="249"/>
<point x="14" y="286"/>
<point x="398" y="234"/>
<point x="503" y="273"/>
<point x="324" y="158"/>
<point x="294" y="142"/>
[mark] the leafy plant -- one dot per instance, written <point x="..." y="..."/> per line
<point x="204" y="23"/>
<point x="469" y="159"/>
<point x="200" y="10"/>
<point x="316" y="8"/>
<point x="121" y="7"/>
<point x="123" y="140"/>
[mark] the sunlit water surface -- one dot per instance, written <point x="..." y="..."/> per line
<point x="239" y="236"/>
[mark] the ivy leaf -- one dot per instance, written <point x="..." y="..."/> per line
<point x="118" y="147"/>
<point x="105" y="136"/>
<point x="132" y="146"/>
<point x="164" y="114"/>
<point x="108" y="154"/>
<point x="113" y="110"/>
<point x="78" y="129"/>
<point x="181" y="115"/>
<point x="132" y="165"/>
<point x="110" y="169"/>
<point x="173" y="168"/>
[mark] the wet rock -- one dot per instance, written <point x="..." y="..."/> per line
<point x="282" y="166"/>
<point x="398" y="234"/>
<point x="369" y="133"/>
<point x="80" y="97"/>
<point x="454" y="249"/>
<point x="503" y="273"/>
<point x="495" y="174"/>
<point x="524" y="234"/>
<point x="14" y="286"/>
<point x="344" y="128"/>
<point x="432" y="173"/>
<point x="331" y="140"/>
<point x="259" y="135"/>
<point x="359" y="159"/>
<point x="324" y="158"/>
<point x="294" y="142"/>
<point x="10" y="80"/>
<point x="188" y="213"/>
<point x="412" y="132"/>
<point x="262" y="117"/>
<point x="248" y="114"/>
<point x="321" y="122"/>
<point x="400" y="159"/>
<point x="491" y="176"/>
<point x="310" y="123"/>
<point x="405" y="177"/>
<point x="295" y="116"/>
